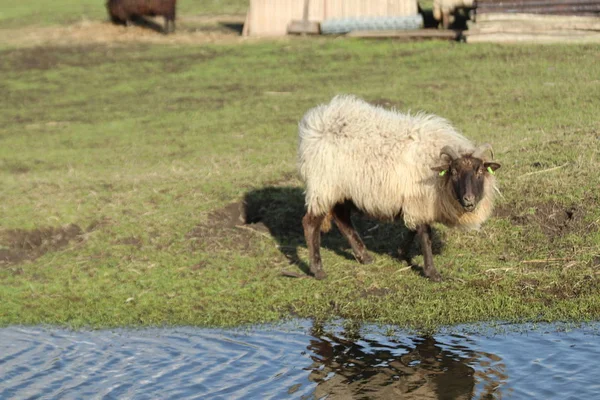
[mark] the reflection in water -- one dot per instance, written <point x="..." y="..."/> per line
<point x="421" y="368"/>
<point x="296" y="361"/>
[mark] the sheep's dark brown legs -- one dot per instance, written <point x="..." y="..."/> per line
<point x="312" y="233"/>
<point x="341" y="216"/>
<point x="424" y="232"/>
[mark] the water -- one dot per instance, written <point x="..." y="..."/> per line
<point x="293" y="361"/>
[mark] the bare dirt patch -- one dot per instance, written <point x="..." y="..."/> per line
<point x="587" y="285"/>
<point x="49" y="56"/>
<point x="130" y="241"/>
<point x="227" y="227"/>
<point x="22" y="245"/>
<point x="553" y="219"/>
<point x="199" y="266"/>
<point x="14" y="167"/>
<point x="375" y="292"/>
<point x="534" y="291"/>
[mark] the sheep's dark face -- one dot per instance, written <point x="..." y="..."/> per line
<point x="467" y="175"/>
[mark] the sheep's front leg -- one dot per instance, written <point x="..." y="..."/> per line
<point x="312" y="234"/>
<point x="424" y="232"/>
<point x="341" y="216"/>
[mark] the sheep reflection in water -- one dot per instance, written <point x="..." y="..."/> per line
<point x="423" y="369"/>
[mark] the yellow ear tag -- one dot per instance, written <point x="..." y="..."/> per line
<point x="490" y="170"/>
<point x="443" y="173"/>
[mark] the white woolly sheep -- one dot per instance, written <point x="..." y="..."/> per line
<point x="389" y="165"/>
<point x="443" y="9"/>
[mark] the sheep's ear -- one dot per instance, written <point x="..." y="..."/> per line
<point x="491" y="166"/>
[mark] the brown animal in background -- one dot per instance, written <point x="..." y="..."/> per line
<point x="123" y="11"/>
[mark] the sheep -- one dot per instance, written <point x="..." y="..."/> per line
<point x="443" y="9"/>
<point x="122" y="11"/>
<point x="389" y="165"/>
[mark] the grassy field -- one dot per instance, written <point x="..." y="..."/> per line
<point x="125" y="169"/>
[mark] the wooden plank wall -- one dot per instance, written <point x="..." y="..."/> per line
<point x="334" y="9"/>
<point x="271" y="17"/>
<point x="534" y="28"/>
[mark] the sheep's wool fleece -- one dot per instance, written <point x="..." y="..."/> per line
<point x="382" y="160"/>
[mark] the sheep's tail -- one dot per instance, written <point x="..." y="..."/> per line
<point x="326" y="224"/>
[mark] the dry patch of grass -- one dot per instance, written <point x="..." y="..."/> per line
<point x="193" y="30"/>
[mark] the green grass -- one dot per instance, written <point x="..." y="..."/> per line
<point x="141" y="145"/>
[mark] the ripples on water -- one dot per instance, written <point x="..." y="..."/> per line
<point x="292" y="361"/>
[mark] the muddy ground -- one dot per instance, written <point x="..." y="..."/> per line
<point x="553" y="219"/>
<point x="19" y="245"/>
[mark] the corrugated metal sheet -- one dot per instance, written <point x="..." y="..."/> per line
<point x="271" y="17"/>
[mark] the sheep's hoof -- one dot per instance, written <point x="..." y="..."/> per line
<point x="365" y="259"/>
<point x="319" y="275"/>
<point x="434" y="276"/>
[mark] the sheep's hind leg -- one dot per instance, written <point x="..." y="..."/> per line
<point x="341" y="216"/>
<point x="312" y="234"/>
<point x="424" y="232"/>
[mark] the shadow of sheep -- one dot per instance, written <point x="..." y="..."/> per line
<point x="280" y="210"/>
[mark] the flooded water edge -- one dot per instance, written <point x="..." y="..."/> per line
<point x="299" y="360"/>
